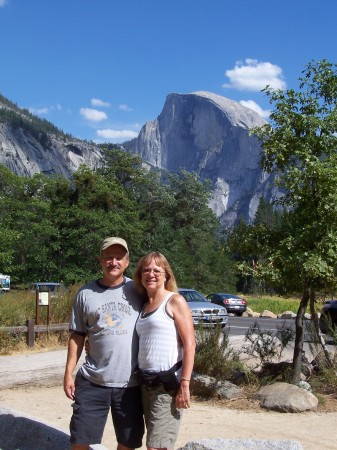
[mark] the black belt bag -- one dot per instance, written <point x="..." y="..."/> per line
<point x="166" y="377"/>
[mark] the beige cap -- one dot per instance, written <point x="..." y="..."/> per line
<point x="114" y="241"/>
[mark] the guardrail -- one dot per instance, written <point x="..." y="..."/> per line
<point x="31" y="328"/>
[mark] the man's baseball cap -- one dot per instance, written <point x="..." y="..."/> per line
<point x="109" y="241"/>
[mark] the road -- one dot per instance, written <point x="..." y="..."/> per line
<point x="238" y="326"/>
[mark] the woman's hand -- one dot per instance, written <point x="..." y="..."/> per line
<point x="183" y="400"/>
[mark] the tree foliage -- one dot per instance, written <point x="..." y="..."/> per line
<point x="51" y="227"/>
<point x="299" y="148"/>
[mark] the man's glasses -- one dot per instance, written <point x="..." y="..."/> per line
<point x="156" y="272"/>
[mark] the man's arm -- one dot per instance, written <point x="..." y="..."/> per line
<point x="75" y="347"/>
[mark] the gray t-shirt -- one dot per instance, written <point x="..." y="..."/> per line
<point x="108" y="316"/>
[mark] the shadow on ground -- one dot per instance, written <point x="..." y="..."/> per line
<point x="20" y="432"/>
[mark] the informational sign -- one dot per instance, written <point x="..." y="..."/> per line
<point x="43" y="298"/>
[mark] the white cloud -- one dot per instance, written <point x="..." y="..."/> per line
<point x="3" y="3"/>
<point x="45" y="109"/>
<point x="265" y="113"/>
<point x="116" y="134"/>
<point x="39" y="111"/>
<point x="99" y="102"/>
<point x="94" y="115"/>
<point x="252" y="75"/>
<point x="125" y="108"/>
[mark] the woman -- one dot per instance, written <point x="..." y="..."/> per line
<point x="166" y="341"/>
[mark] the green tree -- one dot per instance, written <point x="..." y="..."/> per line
<point x="51" y="227"/>
<point x="198" y="253"/>
<point x="299" y="147"/>
<point x="267" y="215"/>
<point x="10" y="185"/>
<point x="38" y="244"/>
<point x="100" y="206"/>
<point x="248" y="246"/>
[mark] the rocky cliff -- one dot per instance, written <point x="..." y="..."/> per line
<point x="29" y="145"/>
<point x="209" y="134"/>
<point x="25" y="155"/>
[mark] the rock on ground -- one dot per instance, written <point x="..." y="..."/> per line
<point x="285" y="397"/>
<point x="241" y="444"/>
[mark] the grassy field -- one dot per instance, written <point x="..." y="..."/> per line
<point x="16" y="307"/>
<point x="276" y="305"/>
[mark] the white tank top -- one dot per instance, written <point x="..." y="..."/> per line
<point x="159" y="342"/>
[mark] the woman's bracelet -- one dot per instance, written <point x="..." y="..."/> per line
<point x="184" y="379"/>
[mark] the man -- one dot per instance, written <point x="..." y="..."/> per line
<point x="106" y="311"/>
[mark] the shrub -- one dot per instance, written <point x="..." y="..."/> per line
<point x="11" y="342"/>
<point x="265" y="344"/>
<point x="214" y="357"/>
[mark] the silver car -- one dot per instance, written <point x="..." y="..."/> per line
<point x="204" y="312"/>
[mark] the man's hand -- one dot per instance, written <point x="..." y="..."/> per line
<point x="69" y="386"/>
<point x="75" y="347"/>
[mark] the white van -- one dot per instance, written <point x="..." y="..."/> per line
<point x="5" y="282"/>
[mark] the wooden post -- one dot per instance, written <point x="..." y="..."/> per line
<point x="30" y="332"/>
<point x="37" y="306"/>
<point x="48" y="310"/>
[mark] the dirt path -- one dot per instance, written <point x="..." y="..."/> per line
<point x="312" y="430"/>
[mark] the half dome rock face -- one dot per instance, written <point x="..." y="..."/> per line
<point x="209" y="134"/>
<point x="194" y="129"/>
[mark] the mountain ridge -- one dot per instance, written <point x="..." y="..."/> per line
<point x="30" y="145"/>
<point x="201" y="132"/>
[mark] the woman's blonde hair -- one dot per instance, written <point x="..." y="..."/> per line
<point x="161" y="261"/>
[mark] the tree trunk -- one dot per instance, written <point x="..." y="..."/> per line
<point x="314" y="318"/>
<point x="299" y="333"/>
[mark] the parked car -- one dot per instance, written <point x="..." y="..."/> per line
<point x="233" y="303"/>
<point x="203" y="311"/>
<point x="328" y="318"/>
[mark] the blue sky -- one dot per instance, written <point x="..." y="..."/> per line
<point x="100" y="69"/>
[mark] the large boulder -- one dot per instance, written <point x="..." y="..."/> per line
<point x="207" y="386"/>
<point x="285" y="397"/>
